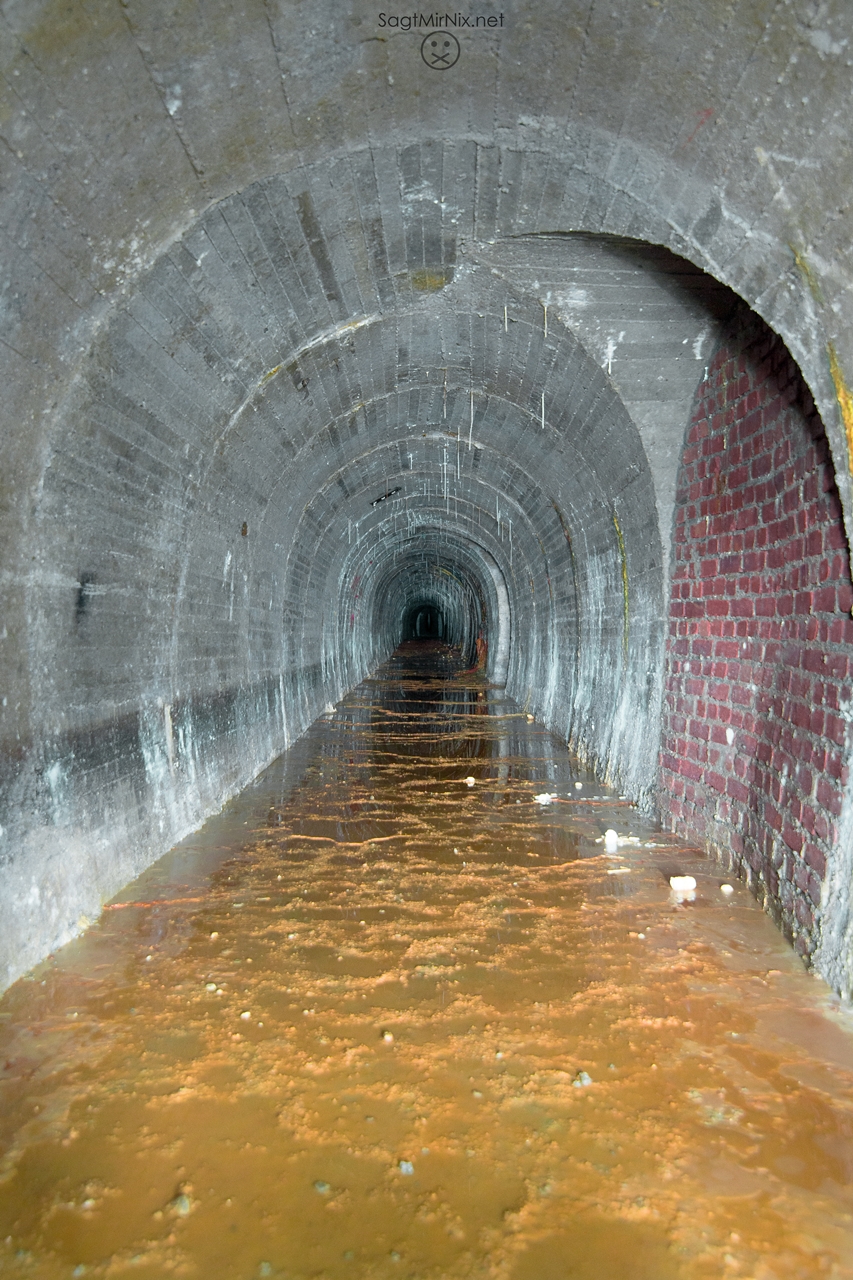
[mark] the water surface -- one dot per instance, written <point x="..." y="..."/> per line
<point x="392" y="1015"/>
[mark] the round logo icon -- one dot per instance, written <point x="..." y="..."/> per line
<point x="440" y="50"/>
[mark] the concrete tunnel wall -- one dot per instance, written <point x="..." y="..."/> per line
<point x="298" y="332"/>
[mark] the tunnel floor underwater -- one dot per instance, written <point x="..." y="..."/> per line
<point x="396" y="1012"/>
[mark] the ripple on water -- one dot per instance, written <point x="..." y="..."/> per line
<point x="375" y="1021"/>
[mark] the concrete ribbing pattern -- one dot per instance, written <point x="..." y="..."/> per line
<point x="257" y="267"/>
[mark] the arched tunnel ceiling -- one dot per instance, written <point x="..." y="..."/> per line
<point x="719" y="134"/>
<point x="455" y="411"/>
<point x="285" y="312"/>
<point x="650" y="320"/>
<point x="722" y="134"/>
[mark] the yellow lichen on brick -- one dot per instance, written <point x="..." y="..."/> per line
<point x="430" y="280"/>
<point x="845" y="400"/>
<point x="807" y="272"/>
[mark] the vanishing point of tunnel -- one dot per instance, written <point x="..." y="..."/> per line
<point x="426" y="830"/>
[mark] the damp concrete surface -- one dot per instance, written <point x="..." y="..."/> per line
<point x="397" y="1012"/>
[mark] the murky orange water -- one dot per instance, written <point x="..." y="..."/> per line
<point x="374" y="1021"/>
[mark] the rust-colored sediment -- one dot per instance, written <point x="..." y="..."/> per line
<point x="374" y="1021"/>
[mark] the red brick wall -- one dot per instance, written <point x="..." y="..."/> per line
<point x="760" y="645"/>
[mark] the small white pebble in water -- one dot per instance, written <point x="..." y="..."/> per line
<point x="611" y="841"/>
<point x="730" y="735"/>
<point x="322" y="1187"/>
<point x="210" y="986"/>
<point x="388" y="1037"/>
<point x="148" y="957"/>
<point x="477" y="1093"/>
<point x="407" y="1168"/>
<point x="578" y="786"/>
<point x="498" y="1054"/>
<point x="470" y="781"/>
<point x="727" y="890"/>
<point x="581" y="1080"/>
<point x="214" y="935"/>
<point x="245" y="1015"/>
<point x="545" y="797"/>
<point x="641" y="935"/>
<point x="682" y="884"/>
<point x="529" y="717"/>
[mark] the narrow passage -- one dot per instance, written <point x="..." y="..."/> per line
<point x="396" y="1012"/>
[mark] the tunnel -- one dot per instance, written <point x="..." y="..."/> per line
<point x="313" y="347"/>
<point x="496" y="413"/>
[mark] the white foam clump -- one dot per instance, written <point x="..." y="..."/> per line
<point x="545" y="797"/>
<point x="682" y="884"/>
<point x="611" y="841"/>
<point x="470" y="781"/>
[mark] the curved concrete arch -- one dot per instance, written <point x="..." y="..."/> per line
<point x="232" y="269"/>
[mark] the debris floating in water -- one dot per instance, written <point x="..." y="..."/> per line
<point x="682" y="884"/>
<point x="182" y="1205"/>
<point x="727" y="889"/>
<point x="545" y="797"/>
<point x="611" y="841"/>
<point x="407" y="1168"/>
<point x="578" y="786"/>
<point x="469" y="781"/>
<point x="582" y="1080"/>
